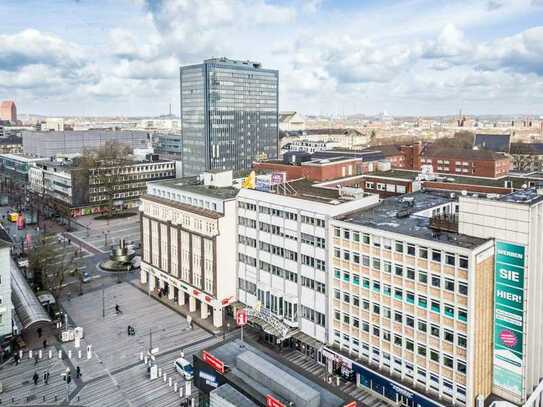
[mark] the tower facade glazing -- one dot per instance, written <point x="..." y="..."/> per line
<point x="229" y="115"/>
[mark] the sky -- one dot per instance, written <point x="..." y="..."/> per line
<point x="335" y="57"/>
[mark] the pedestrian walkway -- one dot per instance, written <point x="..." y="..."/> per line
<point x="102" y="234"/>
<point x="365" y="397"/>
<point x="206" y="324"/>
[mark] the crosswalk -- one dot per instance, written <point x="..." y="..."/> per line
<point x="361" y="395"/>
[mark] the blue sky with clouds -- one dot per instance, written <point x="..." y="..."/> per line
<point x="408" y="57"/>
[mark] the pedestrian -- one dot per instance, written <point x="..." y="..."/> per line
<point x="39" y="332"/>
<point x="35" y="378"/>
<point x="36" y="359"/>
<point x="77" y="372"/>
<point x="129" y="330"/>
<point x="16" y="358"/>
<point x="44" y="343"/>
<point x="46" y="376"/>
<point x="117" y="309"/>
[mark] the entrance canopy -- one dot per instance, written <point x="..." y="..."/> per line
<point x="26" y="304"/>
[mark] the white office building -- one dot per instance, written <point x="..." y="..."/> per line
<point x="283" y="261"/>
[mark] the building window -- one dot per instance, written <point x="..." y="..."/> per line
<point x="463" y="288"/>
<point x="410" y="249"/>
<point x="423" y="252"/>
<point x="398" y="246"/>
<point x="435" y="306"/>
<point x="450" y="259"/>
<point x="463" y="262"/>
<point x="436" y="256"/>
<point x="423" y="277"/>
<point x="436" y="281"/>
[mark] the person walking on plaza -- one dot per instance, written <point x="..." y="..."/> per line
<point x="35" y="378"/>
<point x="44" y="343"/>
<point x="36" y="359"/>
<point x="46" y="376"/>
<point x="77" y="372"/>
<point x="16" y="359"/>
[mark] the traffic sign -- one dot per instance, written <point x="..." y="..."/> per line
<point x="241" y="317"/>
<point x="212" y="361"/>
<point x="273" y="402"/>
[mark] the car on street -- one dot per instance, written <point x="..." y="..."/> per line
<point x="183" y="367"/>
<point x="86" y="277"/>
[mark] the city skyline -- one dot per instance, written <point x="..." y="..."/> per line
<point x="342" y="57"/>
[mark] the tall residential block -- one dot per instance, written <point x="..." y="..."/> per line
<point x="229" y="115"/>
<point x="8" y="111"/>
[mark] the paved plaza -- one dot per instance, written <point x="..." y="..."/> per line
<point x="114" y="375"/>
<point x="102" y="234"/>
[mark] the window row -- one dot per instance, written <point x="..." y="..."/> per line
<point x="402" y="318"/>
<point x="278" y="271"/>
<point x="398" y="246"/>
<point x="409" y="273"/>
<point x="313" y="316"/>
<point x="314" y="285"/>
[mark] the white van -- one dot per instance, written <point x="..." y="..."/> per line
<point x="184" y="367"/>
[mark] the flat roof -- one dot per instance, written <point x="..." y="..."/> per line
<point x="229" y="351"/>
<point x="518" y="180"/>
<point x="22" y="157"/>
<point x="232" y="396"/>
<point x="525" y="196"/>
<point x="192" y="184"/>
<point x="304" y="189"/>
<point x="383" y="216"/>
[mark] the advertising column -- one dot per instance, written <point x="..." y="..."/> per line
<point x="509" y="318"/>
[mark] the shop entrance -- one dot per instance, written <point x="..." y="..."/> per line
<point x="404" y="401"/>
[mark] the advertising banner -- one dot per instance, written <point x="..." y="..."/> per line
<point x="509" y="317"/>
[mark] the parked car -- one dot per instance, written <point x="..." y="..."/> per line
<point x="183" y="367"/>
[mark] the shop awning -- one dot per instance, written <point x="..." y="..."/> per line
<point x="26" y="304"/>
<point x="308" y="340"/>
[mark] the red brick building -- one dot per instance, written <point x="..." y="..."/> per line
<point x="460" y="161"/>
<point x="316" y="170"/>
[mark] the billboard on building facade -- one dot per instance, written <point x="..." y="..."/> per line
<point x="509" y="317"/>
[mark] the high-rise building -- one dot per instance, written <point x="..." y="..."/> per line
<point x="229" y="115"/>
<point x="8" y="111"/>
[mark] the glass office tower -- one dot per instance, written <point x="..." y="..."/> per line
<point x="229" y="115"/>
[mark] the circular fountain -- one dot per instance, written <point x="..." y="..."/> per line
<point x="120" y="259"/>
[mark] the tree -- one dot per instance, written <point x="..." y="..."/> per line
<point x="49" y="270"/>
<point x="105" y="168"/>
<point x="461" y="139"/>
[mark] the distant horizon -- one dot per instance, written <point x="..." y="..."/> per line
<point x="416" y="58"/>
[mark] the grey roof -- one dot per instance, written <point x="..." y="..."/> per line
<point x="526" y="196"/>
<point x="499" y="143"/>
<point x="192" y="184"/>
<point x="527" y="148"/>
<point x="25" y="302"/>
<point x="384" y="216"/>
<point x="228" y="394"/>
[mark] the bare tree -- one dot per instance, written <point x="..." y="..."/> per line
<point x="105" y="168"/>
<point x="50" y="267"/>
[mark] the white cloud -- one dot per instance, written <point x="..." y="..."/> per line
<point x="34" y="47"/>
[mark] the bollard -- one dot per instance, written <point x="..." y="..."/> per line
<point x="337" y="380"/>
<point x="79" y="353"/>
<point x="141" y="356"/>
<point x="69" y="354"/>
<point x="50" y="353"/>
<point x="145" y="360"/>
<point x="174" y="388"/>
<point x="20" y="354"/>
<point x="60" y="354"/>
<point x="188" y="389"/>
<point x="181" y="391"/>
<point x="40" y="354"/>
<point x="164" y="377"/>
<point x="159" y="372"/>
<point x="30" y="354"/>
<point x="170" y="382"/>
